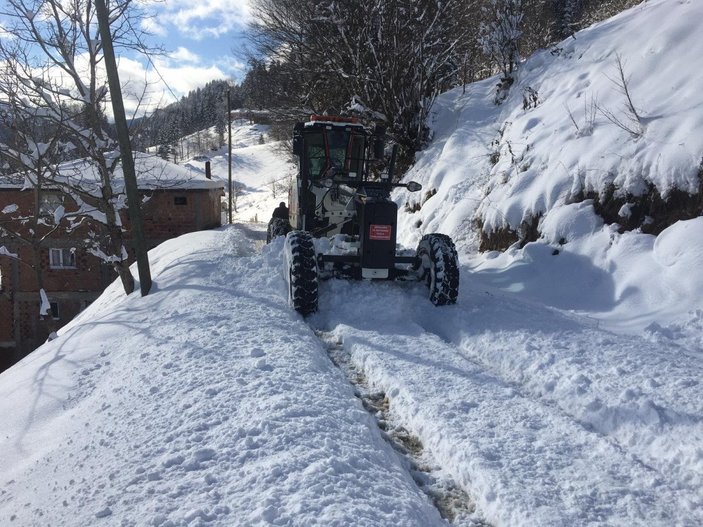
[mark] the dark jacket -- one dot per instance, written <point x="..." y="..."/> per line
<point x="280" y="212"/>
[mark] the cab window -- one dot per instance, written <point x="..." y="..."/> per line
<point x="316" y="159"/>
<point x="356" y="160"/>
<point x="339" y="143"/>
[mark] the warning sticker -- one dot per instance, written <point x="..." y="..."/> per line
<point x="380" y="232"/>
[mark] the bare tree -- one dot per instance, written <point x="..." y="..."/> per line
<point x="500" y="37"/>
<point x="237" y="191"/>
<point x="33" y="147"/>
<point x="630" y="120"/>
<point x="29" y="229"/>
<point x="387" y="58"/>
<point x="51" y="69"/>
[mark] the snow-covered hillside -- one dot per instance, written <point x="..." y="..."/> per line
<point x="538" y="153"/>
<point x="563" y="389"/>
<point x="261" y="173"/>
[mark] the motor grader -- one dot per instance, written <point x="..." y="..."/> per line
<point x="342" y="222"/>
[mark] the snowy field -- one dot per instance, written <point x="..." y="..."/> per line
<point x="211" y="402"/>
<point x="563" y="389"/>
<point x="256" y="169"/>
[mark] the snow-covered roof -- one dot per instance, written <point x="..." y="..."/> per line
<point x="152" y="171"/>
<point x="12" y="181"/>
<point x="328" y="120"/>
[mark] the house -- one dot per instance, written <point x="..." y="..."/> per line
<point x="176" y="200"/>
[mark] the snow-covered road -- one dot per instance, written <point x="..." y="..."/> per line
<point x="211" y="402"/>
<point x="542" y="419"/>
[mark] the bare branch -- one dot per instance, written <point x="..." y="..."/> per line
<point x="632" y="122"/>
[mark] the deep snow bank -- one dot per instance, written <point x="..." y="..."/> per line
<point x="208" y="402"/>
<point x="551" y="140"/>
<point x="536" y="155"/>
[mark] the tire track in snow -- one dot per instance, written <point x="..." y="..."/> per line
<point x="524" y="462"/>
<point x="452" y="502"/>
<point x="524" y="392"/>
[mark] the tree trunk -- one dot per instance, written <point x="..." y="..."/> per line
<point x="116" y="243"/>
<point x="122" y="269"/>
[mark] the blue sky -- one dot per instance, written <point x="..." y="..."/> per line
<point x="204" y="31"/>
<point x="204" y="40"/>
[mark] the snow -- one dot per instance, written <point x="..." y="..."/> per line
<point x="45" y="306"/>
<point x="505" y="164"/>
<point x="198" y="415"/>
<point x="211" y="402"/>
<point x="256" y="168"/>
<point x="563" y="388"/>
<point x="152" y="172"/>
<point x="4" y="251"/>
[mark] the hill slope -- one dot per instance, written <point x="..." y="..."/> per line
<point x="549" y="165"/>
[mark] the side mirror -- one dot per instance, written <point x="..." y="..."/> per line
<point x="413" y="186"/>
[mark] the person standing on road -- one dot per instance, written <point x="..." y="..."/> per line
<point x="281" y="211"/>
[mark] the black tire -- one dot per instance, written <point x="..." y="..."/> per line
<point x="439" y="267"/>
<point x="301" y="269"/>
<point x="277" y="227"/>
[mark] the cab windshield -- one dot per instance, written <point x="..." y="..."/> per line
<point x="336" y="152"/>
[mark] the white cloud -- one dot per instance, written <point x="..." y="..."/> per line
<point x="152" y="26"/>
<point x="4" y="33"/>
<point x="234" y="67"/>
<point x="186" y="78"/>
<point x="207" y="18"/>
<point x="184" y="55"/>
<point x="162" y="84"/>
<point x="146" y="87"/>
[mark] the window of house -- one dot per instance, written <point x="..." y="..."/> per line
<point x="54" y="310"/>
<point x="49" y="202"/>
<point x="62" y="258"/>
<point x="180" y="200"/>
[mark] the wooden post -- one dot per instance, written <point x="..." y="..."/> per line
<point x="229" y="155"/>
<point x="130" y="177"/>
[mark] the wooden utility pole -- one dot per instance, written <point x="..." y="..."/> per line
<point x="229" y="155"/>
<point x="130" y="177"/>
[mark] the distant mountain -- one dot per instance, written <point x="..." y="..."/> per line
<point x="201" y="109"/>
